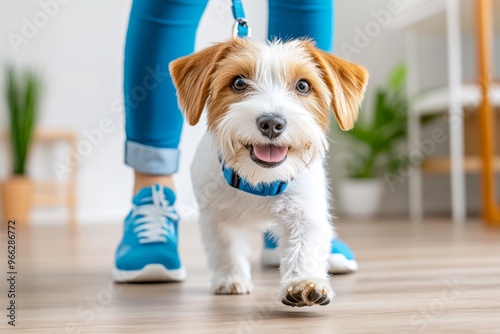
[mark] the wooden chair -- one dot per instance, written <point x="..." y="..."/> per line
<point x="56" y="193"/>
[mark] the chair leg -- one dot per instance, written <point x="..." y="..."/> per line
<point x="415" y="178"/>
<point x="456" y="113"/>
<point x="457" y="175"/>
<point x="415" y="204"/>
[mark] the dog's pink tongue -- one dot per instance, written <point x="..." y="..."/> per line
<point x="270" y="153"/>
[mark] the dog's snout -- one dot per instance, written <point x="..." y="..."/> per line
<point x="271" y="126"/>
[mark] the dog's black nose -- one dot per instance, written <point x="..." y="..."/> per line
<point x="271" y="126"/>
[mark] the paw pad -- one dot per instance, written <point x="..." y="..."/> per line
<point x="307" y="295"/>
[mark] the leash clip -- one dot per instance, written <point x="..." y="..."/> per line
<point x="241" y="28"/>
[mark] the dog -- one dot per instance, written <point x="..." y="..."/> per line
<point x="261" y="163"/>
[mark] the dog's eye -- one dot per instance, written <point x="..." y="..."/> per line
<point x="239" y="84"/>
<point x="303" y="87"/>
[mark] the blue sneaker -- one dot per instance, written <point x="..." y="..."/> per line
<point x="340" y="261"/>
<point x="148" y="250"/>
<point x="270" y="256"/>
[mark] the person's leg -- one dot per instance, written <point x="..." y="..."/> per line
<point x="297" y="18"/>
<point x="159" y="31"/>
<point x="310" y="19"/>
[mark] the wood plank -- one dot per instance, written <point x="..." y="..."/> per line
<point x="55" y="135"/>
<point x="50" y="199"/>
<point x="47" y="134"/>
<point x="472" y="164"/>
<point x="51" y="186"/>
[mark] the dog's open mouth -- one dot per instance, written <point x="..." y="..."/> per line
<point x="267" y="156"/>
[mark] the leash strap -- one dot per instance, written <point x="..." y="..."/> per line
<point x="241" y="28"/>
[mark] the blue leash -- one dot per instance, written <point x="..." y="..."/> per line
<point x="241" y="28"/>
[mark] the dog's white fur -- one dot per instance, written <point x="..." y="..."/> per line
<point x="300" y="216"/>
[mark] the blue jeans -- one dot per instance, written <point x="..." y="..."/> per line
<point x="162" y="30"/>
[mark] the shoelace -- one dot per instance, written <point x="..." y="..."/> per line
<point x="156" y="223"/>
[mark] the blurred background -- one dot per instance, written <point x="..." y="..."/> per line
<point x="423" y="64"/>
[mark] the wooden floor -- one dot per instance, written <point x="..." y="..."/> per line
<point x="429" y="278"/>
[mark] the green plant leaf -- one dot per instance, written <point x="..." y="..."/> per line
<point x="397" y="77"/>
<point x="23" y="101"/>
<point x="375" y="142"/>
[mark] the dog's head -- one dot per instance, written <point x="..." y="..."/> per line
<point x="268" y="104"/>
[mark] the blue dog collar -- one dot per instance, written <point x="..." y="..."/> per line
<point x="262" y="189"/>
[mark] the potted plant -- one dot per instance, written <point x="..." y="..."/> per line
<point x="374" y="148"/>
<point x="22" y="93"/>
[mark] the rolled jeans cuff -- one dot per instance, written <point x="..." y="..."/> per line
<point x="151" y="160"/>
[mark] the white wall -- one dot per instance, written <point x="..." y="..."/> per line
<point x="79" y="51"/>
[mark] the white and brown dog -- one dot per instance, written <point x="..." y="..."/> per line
<point x="268" y="108"/>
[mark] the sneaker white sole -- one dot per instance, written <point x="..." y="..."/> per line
<point x="337" y="263"/>
<point x="150" y="273"/>
<point x="270" y="257"/>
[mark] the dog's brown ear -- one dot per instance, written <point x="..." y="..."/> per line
<point x="347" y="83"/>
<point x="192" y="75"/>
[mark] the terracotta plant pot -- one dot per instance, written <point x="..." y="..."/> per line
<point x="17" y="198"/>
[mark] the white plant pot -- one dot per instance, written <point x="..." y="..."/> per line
<point x="361" y="198"/>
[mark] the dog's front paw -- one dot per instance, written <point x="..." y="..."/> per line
<point x="307" y="292"/>
<point x="232" y="285"/>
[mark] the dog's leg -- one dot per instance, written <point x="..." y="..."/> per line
<point x="227" y="252"/>
<point x="305" y="245"/>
